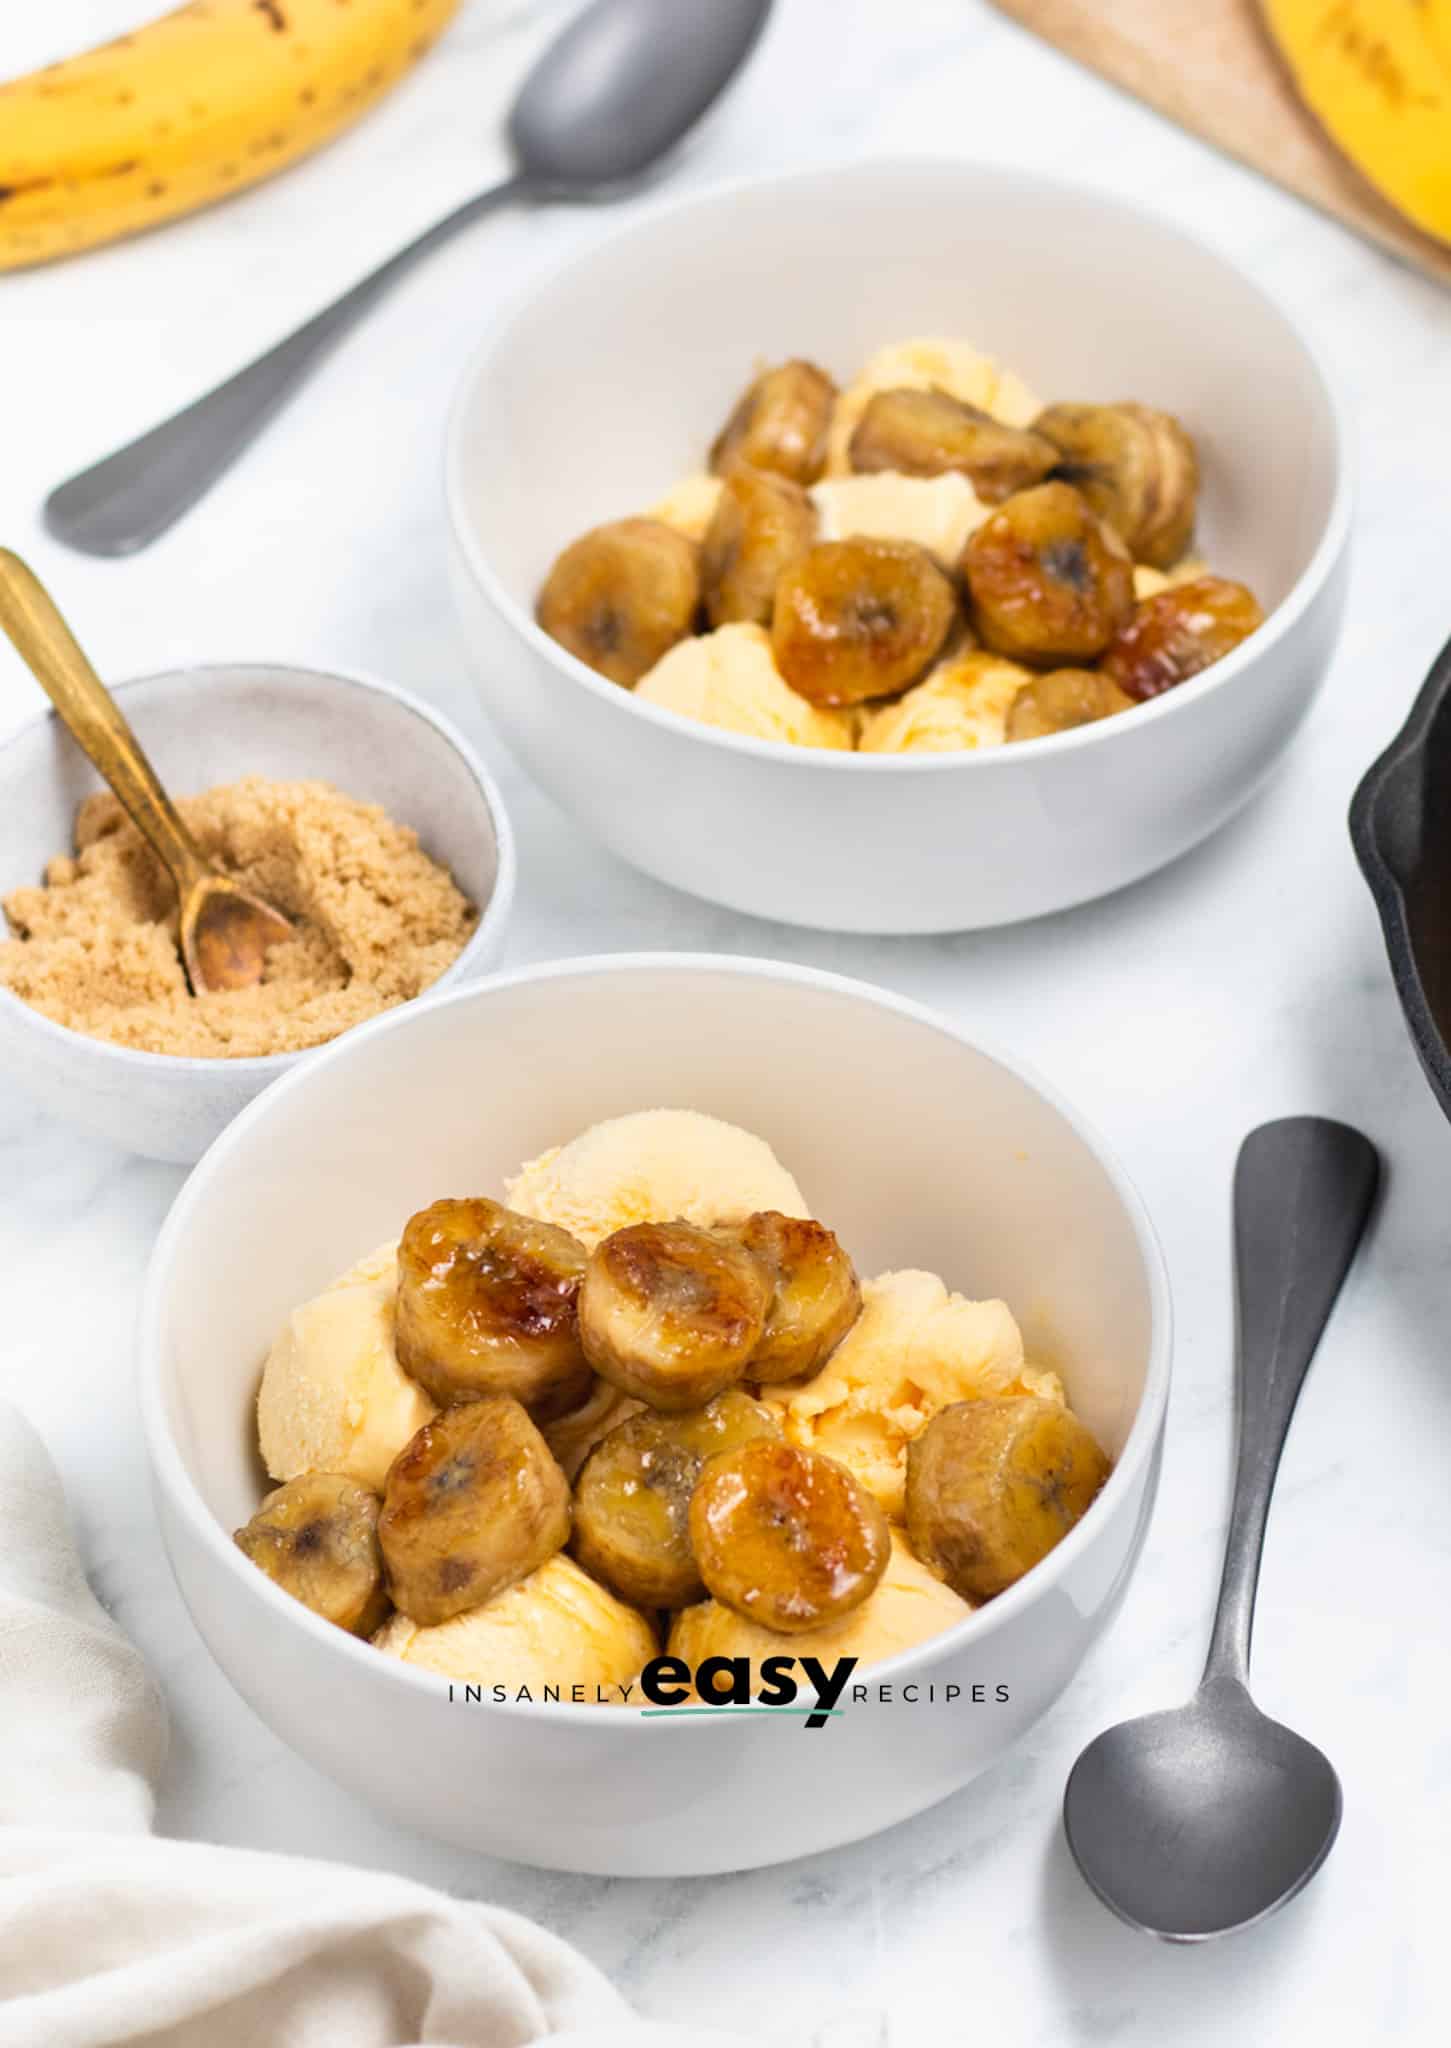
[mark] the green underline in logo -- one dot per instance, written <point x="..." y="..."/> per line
<point x="832" y="1711"/>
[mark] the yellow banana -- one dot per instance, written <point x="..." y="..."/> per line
<point x="1377" y="76"/>
<point x="199" y="104"/>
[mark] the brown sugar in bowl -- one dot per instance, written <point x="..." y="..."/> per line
<point x="214" y="726"/>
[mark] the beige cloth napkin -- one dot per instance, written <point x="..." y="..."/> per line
<point x="110" y="1934"/>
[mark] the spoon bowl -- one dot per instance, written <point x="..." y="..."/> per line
<point x="225" y="933"/>
<point x="1201" y="1820"/>
<point x="620" y="87"/>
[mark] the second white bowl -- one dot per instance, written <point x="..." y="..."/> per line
<point x="605" y="385"/>
<point x="917" y="1146"/>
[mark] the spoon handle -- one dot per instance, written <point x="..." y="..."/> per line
<point x="1303" y="1191"/>
<point x="127" y="499"/>
<point x="44" y="641"/>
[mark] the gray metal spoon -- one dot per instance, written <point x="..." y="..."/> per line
<point x="617" y="89"/>
<point x="1199" y="1821"/>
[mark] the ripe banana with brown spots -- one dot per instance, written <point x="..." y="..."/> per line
<point x="193" y="107"/>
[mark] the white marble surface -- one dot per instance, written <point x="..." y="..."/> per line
<point x="1246" y="983"/>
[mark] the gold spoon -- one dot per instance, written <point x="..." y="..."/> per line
<point x="224" y="931"/>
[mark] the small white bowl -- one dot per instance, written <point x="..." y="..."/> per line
<point x="606" y="383"/>
<point x="917" y="1146"/>
<point x="200" y="727"/>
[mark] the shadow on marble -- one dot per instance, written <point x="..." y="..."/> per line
<point x="1110" y="1978"/>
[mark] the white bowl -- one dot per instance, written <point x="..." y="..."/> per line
<point x="920" y="1148"/>
<point x="606" y="383"/>
<point x="204" y="726"/>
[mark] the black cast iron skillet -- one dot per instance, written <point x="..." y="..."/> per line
<point x="1400" y="826"/>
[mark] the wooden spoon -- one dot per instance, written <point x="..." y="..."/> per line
<point x="224" y="931"/>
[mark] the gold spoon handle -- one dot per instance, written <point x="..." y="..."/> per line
<point x="50" y="650"/>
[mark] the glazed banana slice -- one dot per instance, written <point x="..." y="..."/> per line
<point x="474" y="1503"/>
<point x="786" y="1537"/>
<point x="622" y="595"/>
<point x="317" y="1538"/>
<point x="1137" y="468"/>
<point x="780" y="423"/>
<point x="1050" y="584"/>
<point x="857" y="619"/>
<point x="671" y="1314"/>
<point x="762" y="523"/>
<point x="926" y="433"/>
<point x="488" y="1304"/>
<point x="1061" y="700"/>
<point x="632" y="1500"/>
<point x="993" y="1485"/>
<point x="815" y="1294"/>
<point x="1173" y="636"/>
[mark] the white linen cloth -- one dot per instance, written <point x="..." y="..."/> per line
<point x="111" y="1934"/>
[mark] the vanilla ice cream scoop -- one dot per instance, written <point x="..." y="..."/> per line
<point x="963" y="705"/>
<point x="689" y="506"/>
<point x="558" y="1627"/>
<point x="935" y="512"/>
<point x="654" y="1166"/>
<point x="1148" y="582"/>
<point x="913" y="1351"/>
<point x="729" y="679"/>
<point x="333" y="1396"/>
<point x="906" y="1607"/>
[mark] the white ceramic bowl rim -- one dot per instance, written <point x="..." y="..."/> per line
<point x="170" y="1472"/>
<point x="1280" y="622"/>
<point x="492" y="915"/>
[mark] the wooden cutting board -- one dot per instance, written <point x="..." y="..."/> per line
<point x="1209" y="65"/>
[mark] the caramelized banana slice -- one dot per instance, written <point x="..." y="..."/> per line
<point x="992" y="1486"/>
<point x="670" y="1313"/>
<point x="488" y="1303"/>
<point x="780" y="423"/>
<point x="1173" y="636"/>
<point x="762" y="523"/>
<point x="1064" y="698"/>
<point x="860" y="618"/>
<point x="786" y="1537"/>
<point x="317" y="1538"/>
<point x="926" y="433"/>
<point x="632" y="1502"/>
<point x="622" y="595"/>
<point x="1050" y="584"/>
<point x="1136" y="467"/>
<point x="815" y="1297"/>
<point x="474" y="1503"/>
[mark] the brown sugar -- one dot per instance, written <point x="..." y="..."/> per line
<point x="377" y="921"/>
